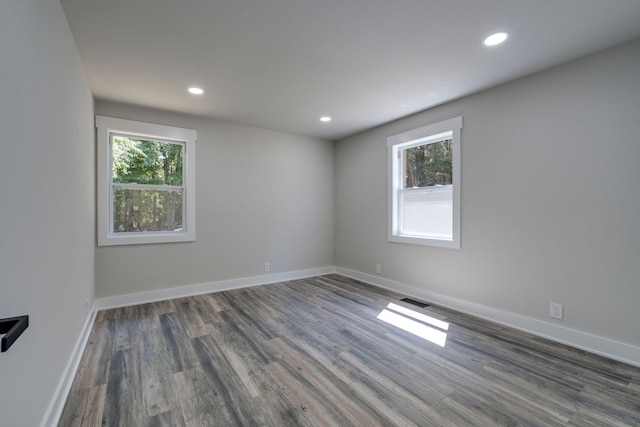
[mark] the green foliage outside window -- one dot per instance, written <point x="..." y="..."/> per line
<point x="155" y="163"/>
<point x="147" y="162"/>
<point x="428" y="165"/>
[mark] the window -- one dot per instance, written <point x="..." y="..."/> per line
<point x="424" y="185"/>
<point x="146" y="182"/>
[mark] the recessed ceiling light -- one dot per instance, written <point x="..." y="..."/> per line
<point x="325" y="119"/>
<point x="496" y="38"/>
<point x="196" y="90"/>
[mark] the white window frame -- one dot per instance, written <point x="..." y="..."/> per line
<point x="107" y="126"/>
<point x="412" y="138"/>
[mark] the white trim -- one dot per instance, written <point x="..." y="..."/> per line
<point x="56" y="405"/>
<point x="205" y="288"/>
<point x="60" y="396"/>
<point x="594" y="344"/>
<point x="150" y="187"/>
<point x="602" y="346"/>
<point x="422" y="135"/>
<point x="107" y="126"/>
<point x="425" y="131"/>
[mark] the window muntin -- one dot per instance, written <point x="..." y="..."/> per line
<point x="146" y="182"/>
<point x="424" y="193"/>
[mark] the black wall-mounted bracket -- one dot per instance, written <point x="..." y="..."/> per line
<point x="13" y="327"/>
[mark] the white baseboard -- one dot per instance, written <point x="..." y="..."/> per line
<point x="56" y="406"/>
<point x="205" y="288"/>
<point x="592" y="343"/>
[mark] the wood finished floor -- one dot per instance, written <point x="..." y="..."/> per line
<point x="313" y="353"/>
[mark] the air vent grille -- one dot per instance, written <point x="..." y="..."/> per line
<point x="414" y="302"/>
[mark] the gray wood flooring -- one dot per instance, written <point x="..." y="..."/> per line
<point x="313" y="352"/>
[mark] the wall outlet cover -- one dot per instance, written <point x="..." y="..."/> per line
<point x="555" y="310"/>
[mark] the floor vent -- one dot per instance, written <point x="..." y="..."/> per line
<point x="414" y="302"/>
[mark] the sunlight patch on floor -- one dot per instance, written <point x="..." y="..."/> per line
<point x="416" y="323"/>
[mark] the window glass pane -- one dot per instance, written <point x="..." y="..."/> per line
<point x="146" y="210"/>
<point x="428" y="165"/>
<point x="424" y="185"/>
<point x="146" y="162"/>
<point x="427" y="212"/>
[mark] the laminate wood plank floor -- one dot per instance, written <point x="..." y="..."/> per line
<point x="332" y="351"/>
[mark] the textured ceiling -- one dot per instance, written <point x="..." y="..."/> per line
<point x="281" y="64"/>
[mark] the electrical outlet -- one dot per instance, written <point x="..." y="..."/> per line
<point x="556" y="310"/>
<point x="88" y="305"/>
<point x="267" y="266"/>
<point x="378" y="269"/>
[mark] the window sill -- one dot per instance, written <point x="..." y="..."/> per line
<point x="145" y="238"/>
<point x="424" y="241"/>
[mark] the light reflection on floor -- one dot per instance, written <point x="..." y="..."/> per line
<point x="419" y="324"/>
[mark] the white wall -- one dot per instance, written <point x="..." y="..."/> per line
<point x="261" y="196"/>
<point x="46" y="203"/>
<point x="550" y="199"/>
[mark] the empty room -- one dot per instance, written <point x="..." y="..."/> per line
<point x="320" y="213"/>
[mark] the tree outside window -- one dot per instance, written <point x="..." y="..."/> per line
<point x="147" y="181"/>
